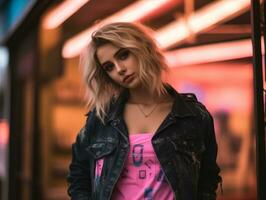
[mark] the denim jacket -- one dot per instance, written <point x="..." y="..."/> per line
<point x="184" y="144"/>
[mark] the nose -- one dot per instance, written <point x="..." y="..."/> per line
<point x="120" y="68"/>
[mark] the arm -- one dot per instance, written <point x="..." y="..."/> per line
<point x="79" y="187"/>
<point x="209" y="172"/>
<point x="79" y="172"/>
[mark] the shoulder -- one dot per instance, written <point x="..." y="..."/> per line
<point x="197" y="107"/>
<point x="86" y="130"/>
<point x="203" y="118"/>
<point x="190" y="97"/>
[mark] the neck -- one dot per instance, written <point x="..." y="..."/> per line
<point x="143" y="96"/>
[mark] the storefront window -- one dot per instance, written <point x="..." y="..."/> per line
<point x="210" y="58"/>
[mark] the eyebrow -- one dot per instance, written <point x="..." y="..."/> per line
<point x="115" y="55"/>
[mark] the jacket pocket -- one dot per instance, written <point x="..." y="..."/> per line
<point x="101" y="151"/>
<point x="188" y="154"/>
<point x="187" y="161"/>
<point x="189" y="150"/>
<point x="189" y="145"/>
<point x="101" y="148"/>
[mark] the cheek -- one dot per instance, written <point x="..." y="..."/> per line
<point x="133" y="62"/>
<point x="113" y="77"/>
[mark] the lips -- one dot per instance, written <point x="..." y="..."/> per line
<point x="128" y="78"/>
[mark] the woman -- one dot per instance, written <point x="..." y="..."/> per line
<point x="142" y="139"/>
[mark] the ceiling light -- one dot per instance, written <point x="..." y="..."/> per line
<point x="138" y="11"/>
<point x="211" y="53"/>
<point x="201" y="20"/>
<point x="61" y="13"/>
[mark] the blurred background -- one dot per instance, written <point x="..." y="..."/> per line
<point x="207" y="44"/>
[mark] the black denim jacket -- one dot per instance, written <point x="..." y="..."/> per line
<point x="184" y="144"/>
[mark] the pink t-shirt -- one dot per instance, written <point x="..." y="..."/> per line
<point x="142" y="177"/>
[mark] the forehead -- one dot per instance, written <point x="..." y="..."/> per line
<point x="106" y="52"/>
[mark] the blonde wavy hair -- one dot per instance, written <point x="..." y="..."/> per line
<point x="101" y="89"/>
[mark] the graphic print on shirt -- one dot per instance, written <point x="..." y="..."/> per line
<point x="142" y="177"/>
<point x="144" y="164"/>
<point x="148" y="193"/>
<point x="137" y="154"/>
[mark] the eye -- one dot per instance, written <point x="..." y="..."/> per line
<point x="108" y="66"/>
<point x="123" y="55"/>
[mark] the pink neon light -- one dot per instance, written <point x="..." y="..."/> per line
<point x="203" y="19"/>
<point x="171" y="34"/>
<point x="226" y="83"/>
<point x="4" y="132"/>
<point x="139" y="11"/>
<point x="211" y="53"/>
<point x="58" y="15"/>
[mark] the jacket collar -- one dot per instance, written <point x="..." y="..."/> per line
<point x="180" y="107"/>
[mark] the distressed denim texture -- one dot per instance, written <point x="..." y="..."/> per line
<point x="184" y="143"/>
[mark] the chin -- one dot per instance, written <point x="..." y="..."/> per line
<point x="133" y="85"/>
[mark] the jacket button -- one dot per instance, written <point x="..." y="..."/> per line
<point x="114" y="123"/>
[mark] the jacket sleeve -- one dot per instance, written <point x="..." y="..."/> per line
<point x="79" y="173"/>
<point x="79" y="179"/>
<point x="209" y="171"/>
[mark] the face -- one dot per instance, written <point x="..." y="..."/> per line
<point x="120" y="64"/>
